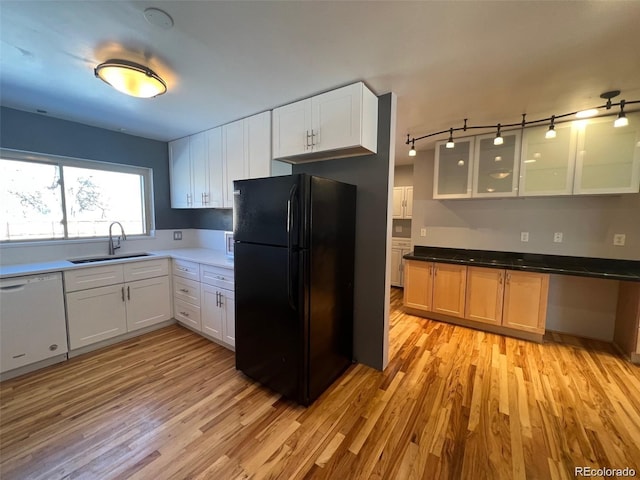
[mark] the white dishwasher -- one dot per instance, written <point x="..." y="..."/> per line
<point x="32" y="320"/>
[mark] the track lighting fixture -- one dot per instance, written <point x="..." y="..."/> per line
<point x="551" y="133"/>
<point x="450" y="143"/>
<point x="620" y="121"/>
<point x="498" y="140"/>
<point x="412" y="152"/>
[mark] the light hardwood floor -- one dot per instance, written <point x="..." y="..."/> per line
<point x="454" y="403"/>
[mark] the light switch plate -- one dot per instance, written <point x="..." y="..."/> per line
<point x="557" y="237"/>
<point x="423" y="232"/>
<point x="177" y="235"/>
<point x="619" y="239"/>
<point x="524" y="236"/>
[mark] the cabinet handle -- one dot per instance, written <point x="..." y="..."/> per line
<point x="184" y="313"/>
<point x="220" y="277"/>
<point x="508" y="278"/>
<point x="128" y="292"/>
<point x="500" y="279"/>
<point x="217" y="299"/>
<point x="122" y="291"/>
<point x="435" y="270"/>
<point x="188" y="199"/>
<point x="313" y="135"/>
<point x="184" y="290"/>
<point x="220" y="300"/>
<point x="202" y="198"/>
<point x="307" y="144"/>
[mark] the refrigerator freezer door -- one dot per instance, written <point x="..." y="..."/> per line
<point x="265" y="209"/>
<point x="269" y="339"/>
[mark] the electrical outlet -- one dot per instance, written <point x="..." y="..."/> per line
<point x="423" y="232"/>
<point x="619" y="239"/>
<point x="524" y="236"/>
<point x="557" y="237"/>
<point x="177" y="235"/>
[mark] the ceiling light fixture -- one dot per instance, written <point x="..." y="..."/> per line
<point x="131" y="78"/>
<point x="498" y="140"/>
<point x="620" y="121"/>
<point x="551" y="133"/>
<point x="450" y="143"/>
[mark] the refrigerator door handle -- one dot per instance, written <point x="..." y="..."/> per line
<point x="293" y="193"/>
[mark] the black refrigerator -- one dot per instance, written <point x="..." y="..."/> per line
<point x="294" y="241"/>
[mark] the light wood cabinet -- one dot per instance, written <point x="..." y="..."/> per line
<point x="485" y="292"/>
<point x="449" y="286"/>
<point x="338" y="123"/>
<point x="101" y="305"/>
<point x="626" y="333"/>
<point x="495" y="167"/>
<point x="525" y="301"/>
<point x="402" y="202"/>
<point x="453" y="170"/>
<point x="418" y="284"/>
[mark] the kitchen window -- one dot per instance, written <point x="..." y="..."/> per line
<point x="57" y="198"/>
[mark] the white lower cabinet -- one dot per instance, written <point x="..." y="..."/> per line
<point x="399" y="248"/>
<point x="208" y="305"/>
<point x="99" y="313"/>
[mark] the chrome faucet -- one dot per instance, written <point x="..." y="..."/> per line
<point x="113" y="247"/>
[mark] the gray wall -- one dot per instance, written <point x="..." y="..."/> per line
<point x="403" y="176"/>
<point x="371" y="175"/>
<point x="587" y="222"/>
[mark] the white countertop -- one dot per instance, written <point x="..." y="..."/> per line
<point x="199" y="255"/>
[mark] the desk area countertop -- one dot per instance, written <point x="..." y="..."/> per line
<point x="628" y="270"/>
<point x="205" y="256"/>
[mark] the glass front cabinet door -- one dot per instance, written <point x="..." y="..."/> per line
<point x="547" y="164"/>
<point x="452" y="171"/>
<point x="608" y="158"/>
<point x="495" y="170"/>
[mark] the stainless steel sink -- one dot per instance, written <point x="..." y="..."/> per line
<point x="109" y="258"/>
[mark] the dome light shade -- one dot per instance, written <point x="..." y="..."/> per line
<point x="131" y="78"/>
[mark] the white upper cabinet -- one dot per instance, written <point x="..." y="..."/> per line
<point x="453" y="170"/>
<point x="495" y="167"/>
<point x="339" y="123"/>
<point x="180" y="173"/>
<point x="402" y="202"/>
<point x="608" y="158"/>
<point x="258" y="133"/>
<point x="236" y="159"/>
<point x="215" y="198"/>
<point x="547" y="164"/>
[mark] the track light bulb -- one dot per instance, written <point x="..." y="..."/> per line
<point x="450" y="143"/>
<point x="622" y="120"/>
<point x="551" y="133"/>
<point x="498" y="140"/>
<point x="412" y="152"/>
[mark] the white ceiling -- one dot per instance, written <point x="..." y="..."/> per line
<point x="482" y="60"/>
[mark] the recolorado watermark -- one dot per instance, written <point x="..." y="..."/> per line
<point x="603" y="472"/>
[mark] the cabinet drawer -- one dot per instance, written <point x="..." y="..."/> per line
<point x="186" y="290"/>
<point x="84" y="278"/>
<point x="146" y="269"/>
<point x="396" y="243"/>
<point x="218" y="276"/>
<point x="187" y="314"/>
<point x="185" y="269"/>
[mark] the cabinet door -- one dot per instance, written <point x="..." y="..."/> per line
<point x="452" y="170"/>
<point x="211" y="312"/>
<point x="525" y="301"/>
<point x="396" y="267"/>
<point x="418" y="284"/>
<point x="199" y="169"/>
<point x="235" y="159"/>
<point x="186" y="290"/>
<point x="495" y="167"/>
<point x="227" y="304"/>
<point x="180" y="173"/>
<point x="148" y="302"/>
<point x="449" y="285"/>
<point x="96" y="314"/>
<point x="215" y="170"/>
<point x="336" y="118"/>
<point x="608" y="158"/>
<point x="292" y="129"/>
<point x="398" y="202"/>
<point x="485" y="290"/>
<point x="259" y="140"/>
<point x="547" y="164"/>
<point x="408" y="202"/>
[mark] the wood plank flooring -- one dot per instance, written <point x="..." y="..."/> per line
<point x="454" y="403"/>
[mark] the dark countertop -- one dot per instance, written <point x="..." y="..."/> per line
<point x="532" y="262"/>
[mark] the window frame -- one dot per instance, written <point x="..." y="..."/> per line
<point x="61" y="161"/>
